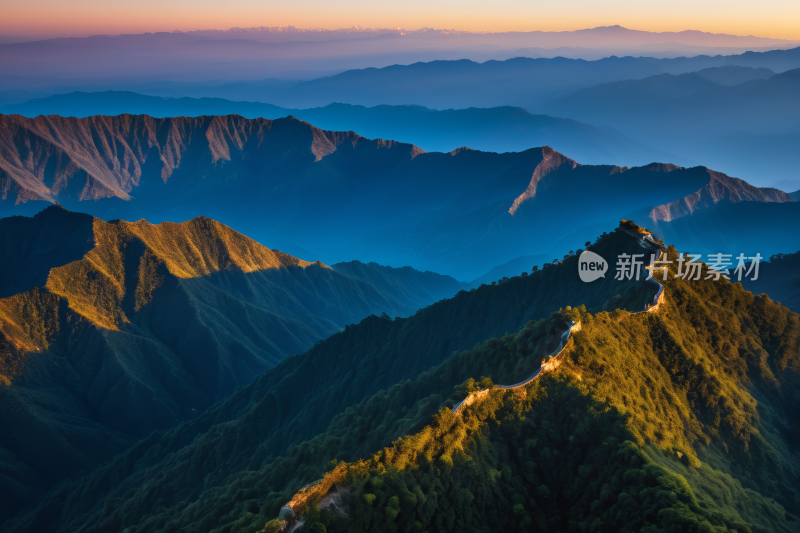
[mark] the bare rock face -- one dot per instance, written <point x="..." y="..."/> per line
<point x="340" y="196"/>
<point x="52" y="158"/>
<point x="720" y="187"/>
<point x="551" y="161"/>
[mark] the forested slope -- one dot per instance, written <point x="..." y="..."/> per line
<point x="678" y="420"/>
<point x="262" y="424"/>
<point x="109" y="331"/>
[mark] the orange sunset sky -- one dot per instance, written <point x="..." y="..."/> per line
<point x="58" y="18"/>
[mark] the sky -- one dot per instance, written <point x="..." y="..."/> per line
<point x="77" y="18"/>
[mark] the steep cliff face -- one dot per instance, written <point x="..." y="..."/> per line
<point x="109" y="331"/>
<point x="339" y="196"/>
<point x="53" y="158"/>
<point x="719" y="188"/>
<point x="552" y="161"/>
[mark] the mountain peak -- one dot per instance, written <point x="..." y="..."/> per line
<point x="101" y="157"/>
<point x="720" y="188"/>
<point x="462" y="149"/>
<point x="551" y="161"/>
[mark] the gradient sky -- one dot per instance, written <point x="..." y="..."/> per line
<point x="50" y="18"/>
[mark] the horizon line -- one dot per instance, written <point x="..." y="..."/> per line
<point x="286" y="29"/>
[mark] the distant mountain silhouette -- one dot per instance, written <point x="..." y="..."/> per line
<point x="746" y="129"/>
<point x="406" y="285"/>
<point x="503" y="129"/>
<point x="109" y="331"/>
<point x="778" y="278"/>
<point x="239" y="53"/>
<point x="515" y="267"/>
<point x="734" y="75"/>
<point x="339" y="196"/>
<point x="110" y="103"/>
<point x="523" y="82"/>
<point x="688" y="101"/>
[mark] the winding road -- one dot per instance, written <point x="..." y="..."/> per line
<point x="294" y="521"/>
<point x="648" y="241"/>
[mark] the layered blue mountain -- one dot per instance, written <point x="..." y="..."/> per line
<point x="688" y="100"/>
<point x="337" y="196"/>
<point x="502" y="129"/>
<point x="779" y="278"/>
<point x="520" y="81"/>
<point x="212" y="60"/>
<point x="747" y="128"/>
<point x="734" y="75"/>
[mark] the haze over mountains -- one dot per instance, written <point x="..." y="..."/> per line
<point x="504" y="129"/>
<point x="238" y="53"/>
<point x="780" y="279"/>
<point x="446" y="84"/>
<point x="747" y="127"/>
<point x="734" y="113"/>
<point x="458" y="213"/>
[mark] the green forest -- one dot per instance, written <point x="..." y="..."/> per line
<point x="679" y="421"/>
<point x="676" y="420"/>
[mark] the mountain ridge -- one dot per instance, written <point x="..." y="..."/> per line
<point x="611" y="365"/>
<point x="304" y="393"/>
<point x="498" y="130"/>
<point x="719" y="188"/>
<point x="274" y="180"/>
<point x="110" y="331"/>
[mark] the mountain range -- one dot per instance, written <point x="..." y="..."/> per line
<point x="723" y="125"/>
<point x="446" y="84"/>
<point x="287" y="53"/>
<point x="653" y="404"/>
<point x="740" y="120"/>
<point x="502" y="129"/>
<point x="779" y="278"/>
<point x="110" y="331"/>
<point x="276" y="180"/>
<point x="383" y="288"/>
<point x="761" y="105"/>
<point x="297" y="400"/>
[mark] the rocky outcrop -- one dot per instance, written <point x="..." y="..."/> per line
<point x="719" y="188"/>
<point x="52" y="157"/>
<point x="551" y="161"/>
